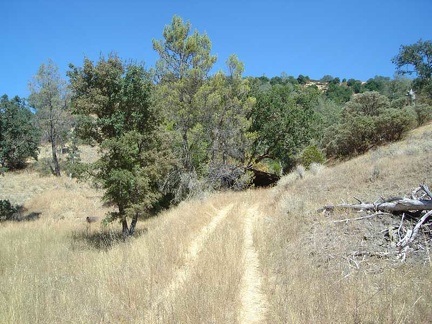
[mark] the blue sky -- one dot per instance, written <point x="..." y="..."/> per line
<point x="345" y="39"/>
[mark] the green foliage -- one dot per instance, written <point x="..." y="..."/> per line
<point x="206" y="115"/>
<point x="301" y="79"/>
<point x="311" y="154"/>
<point x="183" y="54"/>
<point x="183" y="66"/>
<point x="329" y="113"/>
<point x="50" y="97"/>
<point x="378" y="83"/>
<point x="283" y="121"/>
<point x="367" y="121"/>
<point x="417" y="59"/>
<point x="113" y="100"/>
<point x="338" y="93"/>
<point x="19" y="136"/>
<point x="327" y="78"/>
<point x="73" y="166"/>
<point x="367" y="104"/>
<point x="392" y="124"/>
<point x="424" y="113"/>
<point x="7" y="210"/>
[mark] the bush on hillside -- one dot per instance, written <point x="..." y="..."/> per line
<point x="311" y="154"/>
<point x="424" y="113"/>
<point x="394" y="123"/>
<point x="367" y="121"/>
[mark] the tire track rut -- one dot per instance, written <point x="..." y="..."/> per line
<point x="253" y="301"/>
<point x="184" y="272"/>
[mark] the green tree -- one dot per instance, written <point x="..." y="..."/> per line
<point x="283" y="122"/>
<point x="338" y="93"/>
<point x="417" y="59"/>
<point x="327" y="78"/>
<point x="19" y="136"/>
<point x="113" y="101"/>
<point x="50" y="98"/>
<point x="183" y="65"/>
<point x="397" y="88"/>
<point x="369" y="104"/>
<point x="301" y="79"/>
<point x="226" y="104"/>
<point x="378" y="83"/>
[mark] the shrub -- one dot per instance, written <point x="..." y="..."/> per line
<point x="367" y="121"/>
<point x="311" y="154"/>
<point x="394" y="123"/>
<point x="424" y="113"/>
<point x="7" y="210"/>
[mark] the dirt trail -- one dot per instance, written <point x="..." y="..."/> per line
<point x="253" y="300"/>
<point x="183" y="273"/>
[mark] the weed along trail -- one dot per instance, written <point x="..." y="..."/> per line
<point x="253" y="300"/>
<point x="184" y="272"/>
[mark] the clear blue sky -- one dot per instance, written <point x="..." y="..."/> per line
<point x="346" y="39"/>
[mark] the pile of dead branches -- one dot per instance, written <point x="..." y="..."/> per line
<point x="414" y="211"/>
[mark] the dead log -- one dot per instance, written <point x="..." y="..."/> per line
<point x="402" y="205"/>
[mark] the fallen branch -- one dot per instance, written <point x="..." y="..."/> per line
<point x="411" y="235"/>
<point x="359" y="218"/>
<point x="402" y="205"/>
<point x="426" y="190"/>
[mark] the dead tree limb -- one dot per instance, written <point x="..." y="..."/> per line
<point x="426" y="190"/>
<point x="393" y="206"/>
<point x="359" y="218"/>
<point x="411" y="235"/>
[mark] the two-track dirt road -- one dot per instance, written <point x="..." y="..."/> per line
<point x="251" y="305"/>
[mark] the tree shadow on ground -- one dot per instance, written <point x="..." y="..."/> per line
<point x="103" y="239"/>
<point x="17" y="213"/>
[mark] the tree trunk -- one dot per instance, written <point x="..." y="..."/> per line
<point x="54" y="150"/>
<point x="133" y="224"/>
<point x="125" y="229"/>
<point x="187" y="162"/>
<point x="55" y="161"/>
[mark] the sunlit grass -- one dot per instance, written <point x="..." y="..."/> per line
<point x="59" y="269"/>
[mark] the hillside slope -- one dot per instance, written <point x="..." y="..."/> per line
<point x="261" y="256"/>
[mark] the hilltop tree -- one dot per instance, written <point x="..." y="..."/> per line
<point x="113" y="102"/>
<point x="50" y="98"/>
<point x="417" y="59"/>
<point x="19" y="136"/>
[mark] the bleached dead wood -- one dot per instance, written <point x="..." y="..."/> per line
<point x="392" y="206"/>
<point x="358" y="218"/>
<point x="411" y="234"/>
<point x="418" y="208"/>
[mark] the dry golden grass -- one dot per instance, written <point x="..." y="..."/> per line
<point x="311" y="272"/>
<point x="191" y="265"/>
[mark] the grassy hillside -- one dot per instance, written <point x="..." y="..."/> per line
<point x="255" y="256"/>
